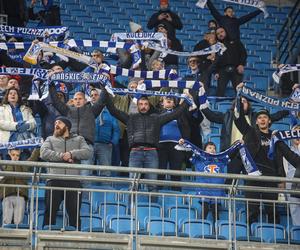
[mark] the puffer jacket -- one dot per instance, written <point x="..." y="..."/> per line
<point x="83" y="118"/>
<point x="54" y="147"/>
<point x="7" y="123"/>
<point x="144" y="129"/>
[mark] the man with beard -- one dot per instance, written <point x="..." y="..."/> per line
<point x="82" y="116"/>
<point x="143" y="130"/>
<point x="65" y="147"/>
<point x="230" y="65"/>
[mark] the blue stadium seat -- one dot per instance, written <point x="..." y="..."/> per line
<point x="224" y="226"/>
<point x="261" y="82"/>
<point x="268" y="231"/>
<point x="91" y="223"/>
<point x="147" y="210"/>
<point x="108" y="209"/>
<point x="180" y="213"/>
<point x="102" y="197"/>
<point x="295" y="233"/>
<point x="196" y="228"/>
<point x="161" y="226"/>
<point x="122" y="224"/>
<point x="172" y="198"/>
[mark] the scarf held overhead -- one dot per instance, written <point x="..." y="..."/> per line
<point x="253" y="95"/>
<point x="282" y="135"/>
<point x="37" y="32"/>
<point x="253" y="3"/>
<point x="247" y="160"/>
<point x="286" y="68"/>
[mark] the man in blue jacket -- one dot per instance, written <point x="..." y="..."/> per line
<point x="107" y="134"/>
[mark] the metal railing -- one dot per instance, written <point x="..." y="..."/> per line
<point x="288" y="38"/>
<point x="106" y="210"/>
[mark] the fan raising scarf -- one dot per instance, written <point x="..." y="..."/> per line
<point x="247" y="160"/>
<point x="286" y="68"/>
<point x="285" y="104"/>
<point x="22" y="144"/>
<point x="253" y="3"/>
<point x="36" y="32"/>
<point x="139" y="93"/>
<point x="282" y="135"/>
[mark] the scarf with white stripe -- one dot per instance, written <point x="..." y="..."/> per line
<point x="22" y="144"/>
<point x="282" y="135"/>
<point x="286" y="68"/>
<point x="247" y="160"/>
<point x="36" y="32"/>
<point x="253" y="95"/>
<point x="253" y="3"/>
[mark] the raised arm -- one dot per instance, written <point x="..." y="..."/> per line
<point x="248" y="17"/>
<point x="120" y="115"/>
<point x="213" y="116"/>
<point x="176" y="22"/>
<point x="215" y="13"/>
<point x="58" y="104"/>
<point x="241" y="122"/>
<point x="279" y="115"/>
<point x="98" y="106"/>
<point x="167" y="117"/>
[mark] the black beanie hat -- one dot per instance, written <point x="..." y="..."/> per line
<point x="263" y="112"/>
<point x="65" y="120"/>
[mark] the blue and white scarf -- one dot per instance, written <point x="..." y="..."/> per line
<point x="195" y="85"/>
<point x="38" y="73"/>
<point x="253" y="95"/>
<point x="22" y="144"/>
<point x="286" y="68"/>
<point x="247" y="160"/>
<point x="253" y="3"/>
<point x="142" y="37"/>
<point x="161" y="74"/>
<point x="36" y="32"/>
<point x="282" y="135"/>
<point x="215" y="48"/>
<point x="140" y="93"/>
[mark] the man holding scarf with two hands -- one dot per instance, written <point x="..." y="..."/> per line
<point x="258" y="140"/>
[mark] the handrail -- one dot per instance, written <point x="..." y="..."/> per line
<point x="287" y="33"/>
<point x="286" y="21"/>
<point x="229" y="187"/>
<point x="138" y="170"/>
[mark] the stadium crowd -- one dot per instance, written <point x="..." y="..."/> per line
<point x="85" y="124"/>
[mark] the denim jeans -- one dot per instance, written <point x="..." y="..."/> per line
<point x="102" y="156"/>
<point x="144" y="159"/>
<point x="89" y="161"/>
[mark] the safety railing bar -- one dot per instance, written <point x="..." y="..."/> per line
<point x="290" y="14"/>
<point x="141" y="171"/>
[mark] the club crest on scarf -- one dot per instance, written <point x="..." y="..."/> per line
<point x="212" y="169"/>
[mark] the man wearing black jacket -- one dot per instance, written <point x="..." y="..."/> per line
<point x="229" y="21"/>
<point x="230" y="65"/>
<point x="257" y="140"/>
<point x="167" y="17"/>
<point x="143" y="130"/>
